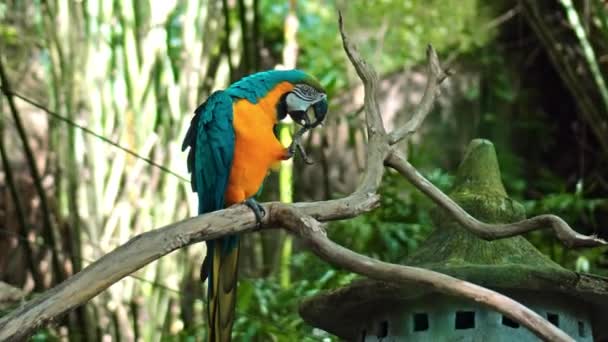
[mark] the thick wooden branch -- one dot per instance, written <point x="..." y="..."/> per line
<point x="562" y="230"/>
<point x="124" y="260"/>
<point x="311" y="231"/>
<point x="149" y="246"/>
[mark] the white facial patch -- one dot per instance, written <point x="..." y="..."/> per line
<point x="295" y="103"/>
<point x="302" y="97"/>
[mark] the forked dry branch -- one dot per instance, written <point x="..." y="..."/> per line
<point x="304" y="221"/>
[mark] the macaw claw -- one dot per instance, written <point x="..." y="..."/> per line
<point x="296" y="143"/>
<point x="303" y="153"/>
<point x="258" y="210"/>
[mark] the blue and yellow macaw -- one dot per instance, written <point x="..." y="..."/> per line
<point x="232" y="147"/>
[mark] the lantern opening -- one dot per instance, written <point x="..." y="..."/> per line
<point x="553" y="318"/>
<point x="421" y="322"/>
<point x="465" y="320"/>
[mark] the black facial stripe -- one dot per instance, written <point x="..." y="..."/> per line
<point x="306" y="92"/>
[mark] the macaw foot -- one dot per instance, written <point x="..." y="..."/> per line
<point x="296" y="143"/>
<point x="258" y="210"/>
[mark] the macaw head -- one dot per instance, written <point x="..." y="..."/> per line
<point x="306" y="104"/>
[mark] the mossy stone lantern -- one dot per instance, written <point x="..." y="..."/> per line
<point x="369" y="310"/>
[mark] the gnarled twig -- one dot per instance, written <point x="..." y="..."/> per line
<point x="370" y="79"/>
<point x="435" y="75"/>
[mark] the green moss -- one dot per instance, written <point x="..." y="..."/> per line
<point x="479" y="190"/>
<point x="479" y="172"/>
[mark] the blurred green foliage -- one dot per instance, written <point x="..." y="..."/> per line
<point x="391" y="34"/>
<point x="395" y="229"/>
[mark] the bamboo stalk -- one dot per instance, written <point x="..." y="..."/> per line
<point x="290" y="56"/>
<point x="66" y="17"/>
<point x="33" y="168"/>
<point x="245" y="38"/>
<point x="588" y="52"/>
<point x="566" y="72"/>
<point x="227" y="33"/>
<point x="24" y="230"/>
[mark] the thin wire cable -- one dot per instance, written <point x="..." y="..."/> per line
<point x="98" y="136"/>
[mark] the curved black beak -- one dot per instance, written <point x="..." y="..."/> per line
<point x="319" y="110"/>
<point x="300" y="117"/>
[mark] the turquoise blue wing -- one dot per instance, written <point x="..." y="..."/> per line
<point x="211" y="141"/>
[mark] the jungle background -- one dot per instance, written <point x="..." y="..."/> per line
<point x="528" y="75"/>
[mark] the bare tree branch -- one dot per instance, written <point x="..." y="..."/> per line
<point x="377" y="146"/>
<point x="311" y="231"/>
<point x="154" y="244"/>
<point x="370" y="80"/>
<point x="149" y="246"/>
<point x="436" y="75"/>
<point x="564" y="233"/>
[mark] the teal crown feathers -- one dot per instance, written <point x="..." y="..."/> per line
<point x="256" y="86"/>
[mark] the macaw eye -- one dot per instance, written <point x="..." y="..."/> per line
<point x="320" y="110"/>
